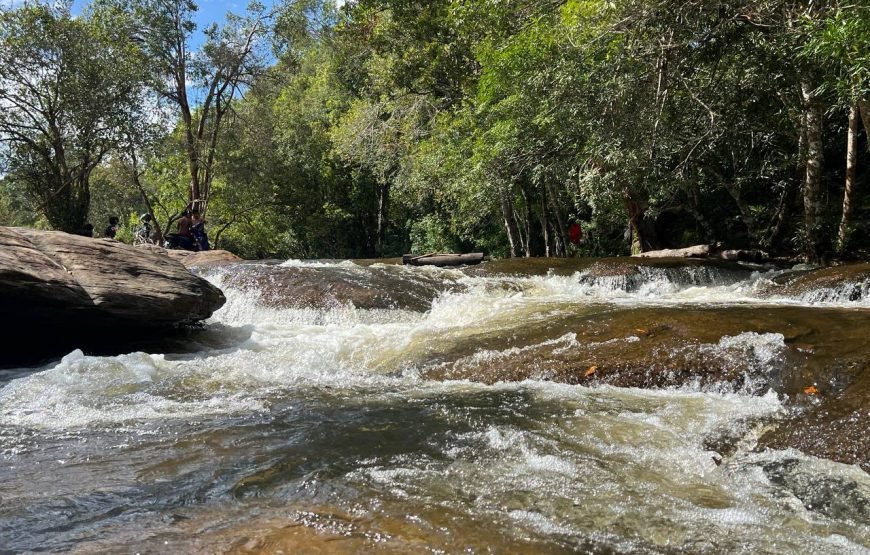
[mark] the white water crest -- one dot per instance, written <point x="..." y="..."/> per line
<point x="342" y="346"/>
<point x="282" y="404"/>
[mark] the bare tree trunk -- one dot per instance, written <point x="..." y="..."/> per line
<point x="545" y="232"/>
<point x="560" y="240"/>
<point x="645" y="238"/>
<point x="523" y="247"/>
<point x="509" y="223"/>
<point x="864" y="109"/>
<point x="849" y="195"/>
<point x="813" y="178"/>
<point x="527" y="222"/>
<point x="383" y="206"/>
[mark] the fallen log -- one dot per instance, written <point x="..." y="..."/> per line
<point x="443" y="259"/>
<point x="696" y="251"/>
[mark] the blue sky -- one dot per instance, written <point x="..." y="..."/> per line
<point x="210" y="11"/>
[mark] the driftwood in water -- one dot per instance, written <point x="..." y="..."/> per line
<point x="696" y="251"/>
<point x="442" y="259"/>
<point x="709" y="251"/>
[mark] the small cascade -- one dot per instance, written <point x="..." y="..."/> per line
<point x="851" y="292"/>
<point x="324" y="284"/>
<point x="846" y="285"/>
<point x="611" y="407"/>
<point x="633" y="278"/>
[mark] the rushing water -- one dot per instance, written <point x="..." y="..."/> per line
<point x="343" y="408"/>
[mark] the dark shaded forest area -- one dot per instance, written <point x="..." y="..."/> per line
<point x="379" y="127"/>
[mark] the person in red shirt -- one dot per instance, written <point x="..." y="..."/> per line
<point x="575" y="233"/>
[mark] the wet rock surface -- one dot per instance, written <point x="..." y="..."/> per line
<point x="624" y="273"/>
<point x="791" y="350"/>
<point x="313" y="286"/>
<point x="202" y="259"/>
<point x="850" y="282"/>
<point x="833" y="427"/>
<point x="59" y="290"/>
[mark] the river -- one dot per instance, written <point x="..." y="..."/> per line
<point x="340" y="407"/>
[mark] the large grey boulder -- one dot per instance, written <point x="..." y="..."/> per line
<point x="71" y="286"/>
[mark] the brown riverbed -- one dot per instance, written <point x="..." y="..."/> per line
<point x="607" y="406"/>
<point x="823" y="370"/>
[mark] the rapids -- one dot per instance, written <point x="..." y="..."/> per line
<point x="518" y="407"/>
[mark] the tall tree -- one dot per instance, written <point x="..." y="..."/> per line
<point x="838" y="43"/>
<point x="201" y="84"/>
<point x="66" y="85"/>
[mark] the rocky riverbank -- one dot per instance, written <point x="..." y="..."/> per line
<point x="60" y="291"/>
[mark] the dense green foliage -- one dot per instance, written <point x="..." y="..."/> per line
<point x="68" y="87"/>
<point x="390" y="126"/>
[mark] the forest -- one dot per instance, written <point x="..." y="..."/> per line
<point x="373" y="128"/>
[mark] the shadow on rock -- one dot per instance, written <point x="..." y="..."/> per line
<point x="60" y="291"/>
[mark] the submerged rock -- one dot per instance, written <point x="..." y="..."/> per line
<point x="790" y="349"/>
<point x="652" y="347"/>
<point x="847" y="283"/>
<point x="59" y="290"/>
<point x="834" y="426"/>
<point x="329" y="285"/>
<point x="199" y="259"/>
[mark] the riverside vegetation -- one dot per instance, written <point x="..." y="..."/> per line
<point x="379" y="127"/>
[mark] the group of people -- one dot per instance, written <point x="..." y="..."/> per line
<point x="190" y="231"/>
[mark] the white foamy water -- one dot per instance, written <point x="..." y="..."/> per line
<point x="336" y="347"/>
<point x="294" y="404"/>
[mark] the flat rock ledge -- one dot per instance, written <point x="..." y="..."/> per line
<point x="57" y="288"/>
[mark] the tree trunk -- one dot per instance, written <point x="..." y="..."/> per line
<point x="813" y="177"/>
<point x="527" y="223"/>
<point x="864" y="109"/>
<point x="545" y="232"/>
<point x="523" y="247"/>
<point x="134" y="175"/>
<point x="191" y="146"/>
<point x="560" y="239"/>
<point x="645" y="238"/>
<point x="509" y="223"/>
<point x="383" y="206"/>
<point x="788" y="200"/>
<point x="849" y="195"/>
